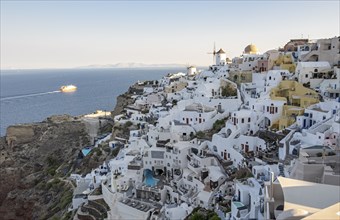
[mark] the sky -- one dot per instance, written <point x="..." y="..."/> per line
<point x="67" y="34"/>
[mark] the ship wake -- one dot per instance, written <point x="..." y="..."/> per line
<point x="27" y="95"/>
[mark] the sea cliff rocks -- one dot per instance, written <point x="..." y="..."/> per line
<point x="34" y="159"/>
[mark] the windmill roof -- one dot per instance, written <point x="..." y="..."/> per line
<point x="220" y="51"/>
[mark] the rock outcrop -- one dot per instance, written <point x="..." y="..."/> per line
<point x="34" y="159"/>
<point x="19" y="134"/>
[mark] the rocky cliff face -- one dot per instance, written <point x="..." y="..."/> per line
<point x="122" y="101"/>
<point x="34" y="159"/>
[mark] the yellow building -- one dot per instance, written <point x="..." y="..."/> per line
<point x="298" y="98"/>
<point x="288" y="117"/>
<point x="285" y="62"/>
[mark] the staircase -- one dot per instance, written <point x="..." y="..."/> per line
<point x="261" y="118"/>
<point x="281" y="169"/>
<point x="223" y="164"/>
<point x="94" y="209"/>
<point x="307" y="56"/>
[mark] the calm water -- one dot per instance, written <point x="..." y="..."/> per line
<point x="32" y="95"/>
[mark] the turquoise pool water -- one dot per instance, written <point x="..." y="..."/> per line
<point x="149" y="179"/>
<point x="238" y="204"/>
<point x="86" y="151"/>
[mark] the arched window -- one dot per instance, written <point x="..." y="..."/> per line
<point x="215" y="148"/>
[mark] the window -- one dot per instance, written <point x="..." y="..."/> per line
<point x="275" y="109"/>
<point x="242" y="120"/>
<point x="215" y="148"/>
<point x="248" y="119"/>
<point x="306" y="76"/>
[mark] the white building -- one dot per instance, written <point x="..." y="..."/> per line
<point x="249" y="200"/>
<point x="312" y="72"/>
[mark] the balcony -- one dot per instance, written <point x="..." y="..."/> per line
<point x="194" y="167"/>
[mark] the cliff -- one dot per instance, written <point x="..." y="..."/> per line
<point x="34" y="160"/>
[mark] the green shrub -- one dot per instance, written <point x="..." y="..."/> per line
<point x="65" y="199"/>
<point x="127" y="124"/>
<point x="215" y="217"/>
<point x="200" y="134"/>
<point x="229" y="90"/>
<point x="107" y="149"/>
<point x="51" y="171"/>
<point x="115" y="151"/>
<point x="197" y="216"/>
<point x="67" y="216"/>
<point x="51" y="161"/>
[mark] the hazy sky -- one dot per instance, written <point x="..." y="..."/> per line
<point x="61" y="34"/>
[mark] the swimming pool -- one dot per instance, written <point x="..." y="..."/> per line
<point x="238" y="204"/>
<point x="149" y="179"/>
<point x="86" y="151"/>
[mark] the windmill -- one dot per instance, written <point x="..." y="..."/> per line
<point x="214" y="53"/>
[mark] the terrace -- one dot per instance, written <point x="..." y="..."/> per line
<point x="137" y="204"/>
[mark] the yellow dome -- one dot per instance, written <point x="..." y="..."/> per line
<point x="251" y="49"/>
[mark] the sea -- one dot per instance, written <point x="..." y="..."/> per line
<point x="33" y="95"/>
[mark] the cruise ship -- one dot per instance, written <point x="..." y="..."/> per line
<point x="68" y="88"/>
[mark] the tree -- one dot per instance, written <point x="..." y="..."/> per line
<point x="215" y="217"/>
<point x="197" y="216"/>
